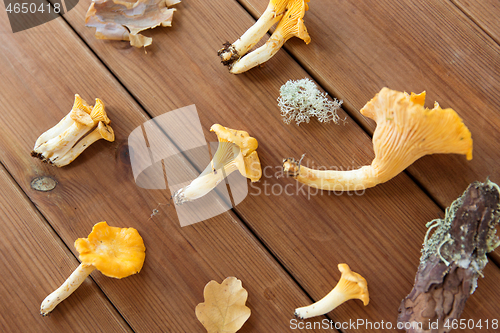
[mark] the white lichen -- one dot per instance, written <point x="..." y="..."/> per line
<point x="301" y="99"/>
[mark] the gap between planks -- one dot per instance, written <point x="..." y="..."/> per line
<point x="148" y="113"/>
<point x="349" y="109"/>
<point x="57" y="238"/>
<point x="245" y="225"/>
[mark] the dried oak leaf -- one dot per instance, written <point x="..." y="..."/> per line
<point x="224" y="310"/>
<point x="123" y="20"/>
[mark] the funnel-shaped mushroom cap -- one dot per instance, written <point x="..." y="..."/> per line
<point x="80" y="104"/>
<point x="106" y="131"/>
<point x="407" y="131"/>
<point x="116" y="252"/>
<point x="98" y="113"/>
<point x="292" y="23"/>
<point x="352" y="285"/>
<point x="250" y="168"/>
<point x="246" y="143"/>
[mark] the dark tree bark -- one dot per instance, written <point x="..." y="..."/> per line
<point x="452" y="260"/>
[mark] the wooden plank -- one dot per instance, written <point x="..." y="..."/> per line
<point x="33" y="263"/>
<point x="359" y="47"/>
<point x="349" y="59"/>
<point x="378" y="233"/>
<point x="41" y="70"/>
<point x="484" y="13"/>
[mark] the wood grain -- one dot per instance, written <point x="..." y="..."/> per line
<point x="484" y="14"/>
<point x="41" y="71"/>
<point x="378" y="233"/>
<point x="33" y="263"/>
<point x="359" y="47"/>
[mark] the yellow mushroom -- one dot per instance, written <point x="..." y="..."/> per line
<point x="273" y="13"/>
<point x="291" y="25"/>
<point x="54" y="145"/>
<point x="351" y="286"/>
<point x="116" y="252"/>
<point x="405" y="132"/>
<point x="99" y="113"/>
<point x="236" y="151"/>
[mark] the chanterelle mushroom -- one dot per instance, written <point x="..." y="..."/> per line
<point x="405" y="132"/>
<point x="116" y="252"/>
<point x="273" y="13"/>
<point x="236" y="151"/>
<point x="291" y="25"/>
<point x="61" y="144"/>
<point x="350" y="286"/>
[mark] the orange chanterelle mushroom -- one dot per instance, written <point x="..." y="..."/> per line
<point x="116" y="252"/>
<point x="237" y="151"/>
<point x="405" y="132"/>
<point x="350" y="286"/>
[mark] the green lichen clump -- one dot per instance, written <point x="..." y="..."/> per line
<point x="300" y="100"/>
<point x="440" y="244"/>
<point x="441" y="235"/>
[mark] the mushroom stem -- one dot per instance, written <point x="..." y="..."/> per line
<point x="260" y="55"/>
<point x="64" y="124"/>
<point x="332" y="180"/>
<point x="67" y="288"/>
<point x="61" y="126"/>
<point x="58" y="146"/>
<point x="324" y="305"/>
<point x="102" y="131"/>
<point x="232" y="52"/>
<point x="208" y="179"/>
<point x="350" y="286"/>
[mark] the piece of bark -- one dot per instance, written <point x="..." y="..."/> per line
<point x="452" y="260"/>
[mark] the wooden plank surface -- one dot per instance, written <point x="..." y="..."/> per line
<point x="378" y="233"/>
<point x="41" y="70"/>
<point x="359" y="47"/>
<point x="33" y="263"/>
<point x="484" y="13"/>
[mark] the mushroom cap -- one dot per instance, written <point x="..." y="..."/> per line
<point x="292" y="23"/>
<point x="250" y="168"/>
<point x="80" y="104"/>
<point x="246" y="143"/>
<point x="81" y="118"/>
<point x="253" y="170"/>
<point x="279" y="5"/>
<point x="106" y="131"/>
<point x="99" y="113"/>
<point x="407" y="131"/>
<point x="353" y="284"/>
<point x="116" y="252"/>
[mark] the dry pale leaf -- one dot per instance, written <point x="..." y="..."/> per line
<point x="123" y="20"/>
<point x="224" y="310"/>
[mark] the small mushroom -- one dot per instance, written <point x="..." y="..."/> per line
<point x="236" y="151"/>
<point x="99" y="113"/>
<point x="102" y="131"/>
<point x="291" y="25"/>
<point x="405" y="132"/>
<point x="53" y="145"/>
<point x="273" y="13"/>
<point x="351" y="286"/>
<point x="116" y="252"/>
